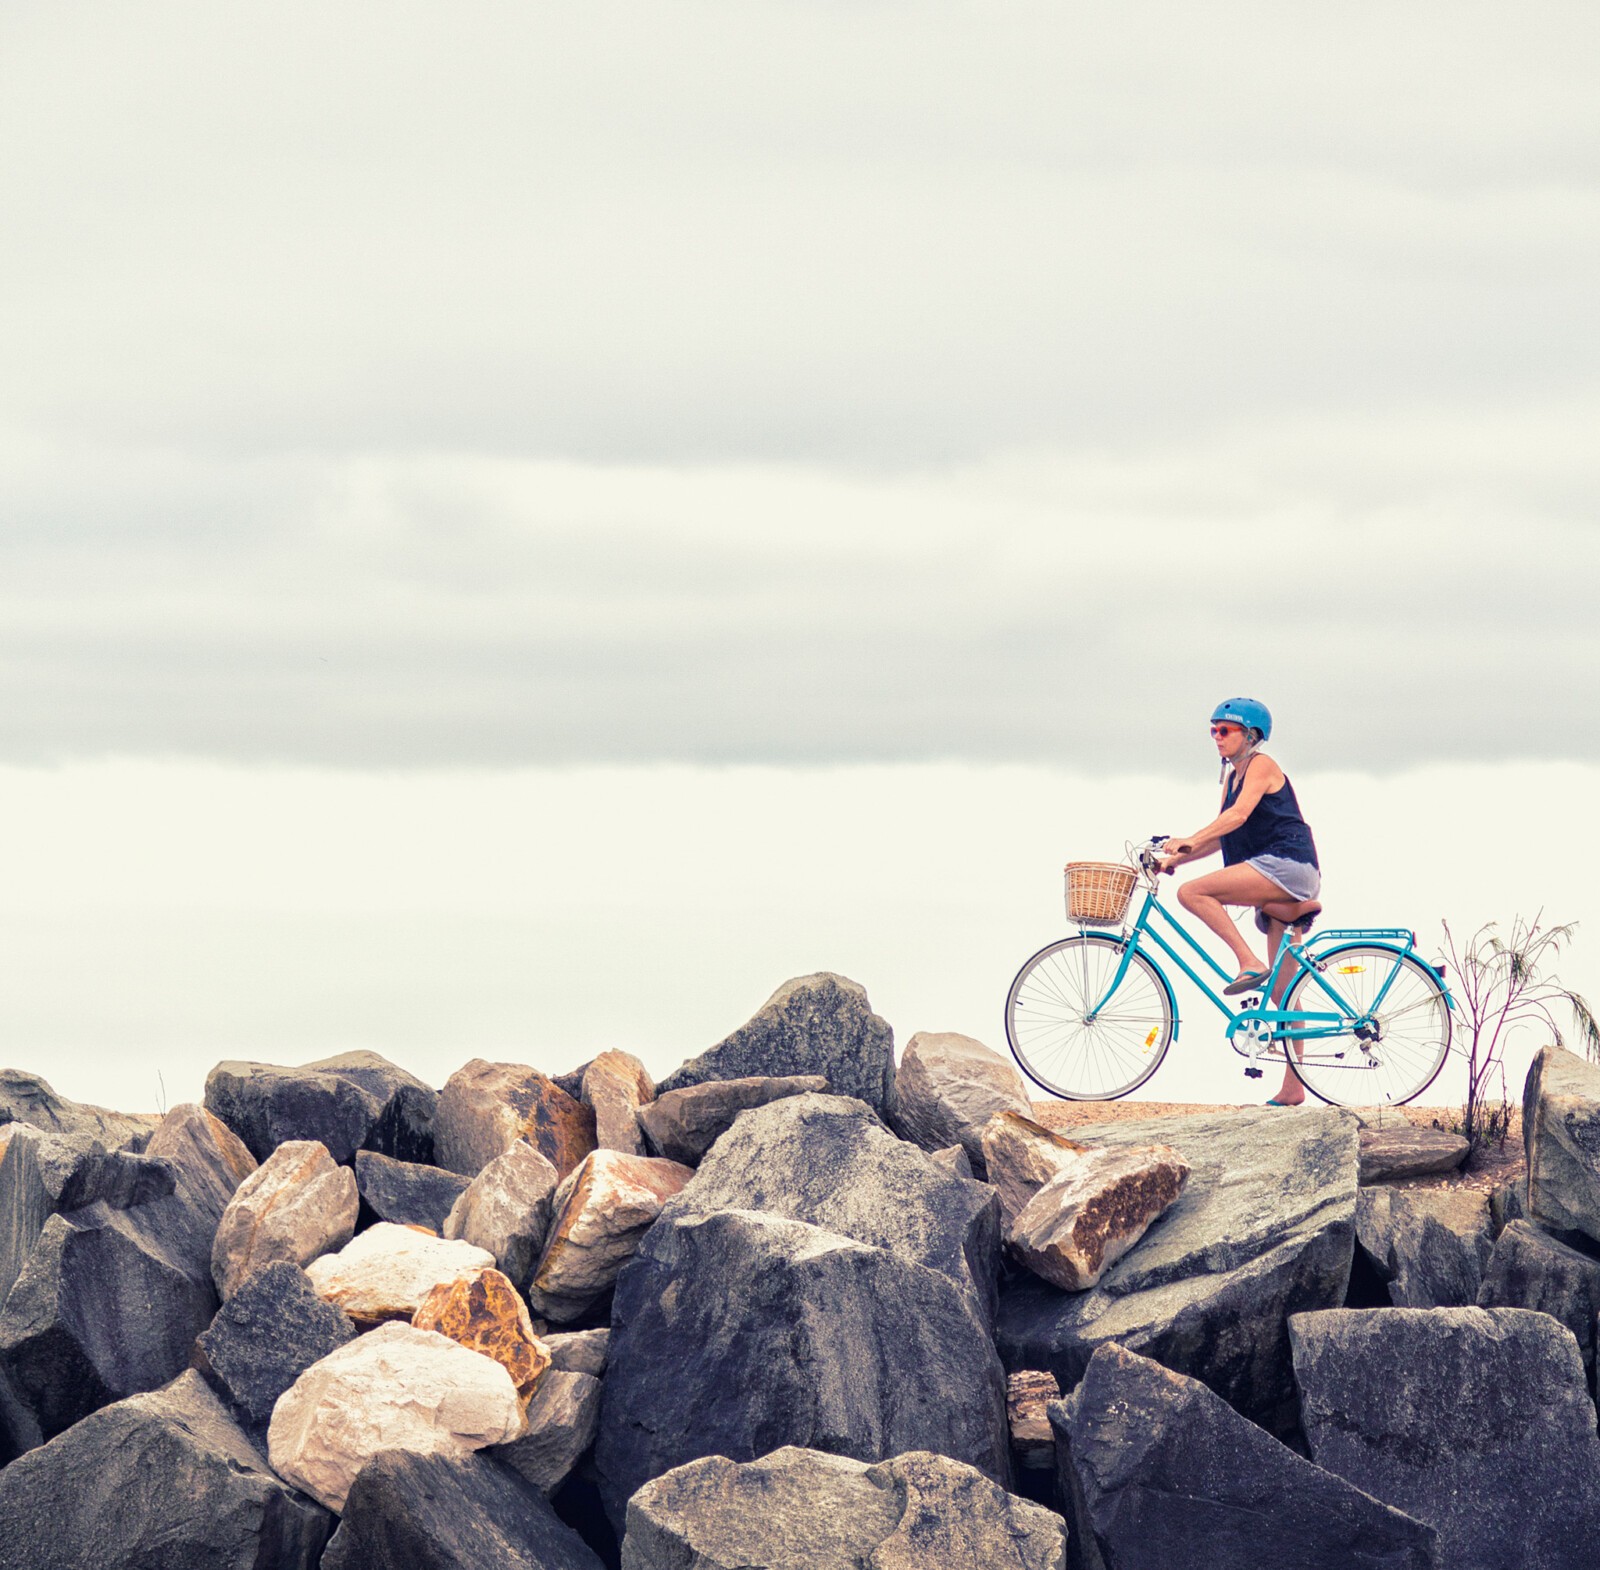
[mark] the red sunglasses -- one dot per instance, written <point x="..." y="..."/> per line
<point x="1225" y="730"/>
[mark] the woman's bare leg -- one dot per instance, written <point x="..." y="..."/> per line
<point x="1291" y="1093"/>
<point x="1208" y="897"/>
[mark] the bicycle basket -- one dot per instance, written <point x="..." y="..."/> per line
<point x="1098" y="892"/>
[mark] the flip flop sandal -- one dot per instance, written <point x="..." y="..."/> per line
<point x="1246" y="981"/>
<point x="1274" y="1102"/>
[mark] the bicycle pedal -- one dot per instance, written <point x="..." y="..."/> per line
<point x="1252" y="1073"/>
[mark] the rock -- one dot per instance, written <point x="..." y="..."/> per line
<point x="947" y="1087"/>
<point x="209" y="1161"/>
<point x="601" y="1212"/>
<point x="483" y="1312"/>
<point x="1068" y="1211"/>
<point x="387" y="1271"/>
<point x="818" y="1024"/>
<point x="1265" y="1226"/>
<point x="615" y="1086"/>
<point x="164" y="1479"/>
<point x="100" y="1311"/>
<point x="25" y="1098"/>
<point x="1401" y="1151"/>
<point x="828" y="1161"/>
<point x="405" y="1192"/>
<point x="953" y="1158"/>
<point x="682" y="1125"/>
<point x="396" y="1388"/>
<point x="1429" y="1246"/>
<point x="563" y="1418"/>
<point x="1531" y="1269"/>
<point x="506" y="1210"/>
<point x="798" y="1509"/>
<point x="738" y="1332"/>
<point x="297" y="1205"/>
<point x="1476" y="1421"/>
<point x="1508" y="1203"/>
<point x="403" y="1127"/>
<point x="267" y="1105"/>
<point x="265" y="1337"/>
<point x="1162" y="1472"/>
<point x="485" y="1108"/>
<point x="1561" y="1137"/>
<point x="1033" y="1442"/>
<point x="579" y="1351"/>
<point x="443" y="1512"/>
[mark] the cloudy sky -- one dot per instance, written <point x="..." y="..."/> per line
<point x="523" y="526"/>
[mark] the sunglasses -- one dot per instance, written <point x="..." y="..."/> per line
<point x="1224" y="731"/>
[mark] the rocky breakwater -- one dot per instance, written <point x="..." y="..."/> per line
<point x="772" y="1320"/>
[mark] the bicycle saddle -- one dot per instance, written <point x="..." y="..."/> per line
<point x="1299" y="914"/>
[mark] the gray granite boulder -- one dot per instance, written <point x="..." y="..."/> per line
<point x="438" y="1512"/>
<point x="1508" y="1203"/>
<point x="563" y="1418"/>
<point x="403" y="1127"/>
<point x="947" y="1086"/>
<point x="1160" y="1472"/>
<point x="1402" y="1151"/>
<point x="1265" y="1227"/>
<point x="1476" y="1421"/>
<point x="26" y="1098"/>
<point x="827" y="1160"/>
<point x="405" y="1192"/>
<point x="739" y="1332"/>
<point x="155" y="1482"/>
<point x="1429" y="1246"/>
<point x="578" y="1351"/>
<point x="821" y="1024"/>
<point x="1561" y="1138"/>
<point x="268" y="1105"/>
<point x="506" y="1209"/>
<point x="1531" y="1269"/>
<point x="682" y="1125"/>
<point x="264" y="1337"/>
<point x="798" y="1509"/>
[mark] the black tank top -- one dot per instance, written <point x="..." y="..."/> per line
<point x="1274" y="827"/>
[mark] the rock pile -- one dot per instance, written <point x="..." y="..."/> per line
<point x="763" y="1315"/>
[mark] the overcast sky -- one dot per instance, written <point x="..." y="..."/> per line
<point x="485" y="391"/>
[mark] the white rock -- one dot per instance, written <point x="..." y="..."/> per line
<point x="948" y="1086"/>
<point x="396" y="1388"/>
<point x="387" y="1271"/>
<point x="298" y="1204"/>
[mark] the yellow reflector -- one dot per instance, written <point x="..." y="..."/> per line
<point x="1150" y="1040"/>
<point x="1351" y="970"/>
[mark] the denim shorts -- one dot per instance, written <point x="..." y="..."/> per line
<point x="1297" y="879"/>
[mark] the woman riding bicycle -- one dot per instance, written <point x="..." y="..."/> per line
<point x="1269" y="857"/>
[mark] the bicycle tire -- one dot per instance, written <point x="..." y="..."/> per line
<point x="1064" y="1052"/>
<point x="1414" y="1028"/>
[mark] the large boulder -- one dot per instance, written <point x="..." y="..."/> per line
<point x="403" y="1126"/>
<point x="1429" y="1246"/>
<point x="799" y="1509"/>
<point x="208" y="1161"/>
<point x="158" y="1480"/>
<point x="297" y="1205"/>
<point x="396" y="1388"/>
<point x="1561" y="1138"/>
<point x="1403" y="1151"/>
<point x="1476" y="1421"/>
<point x="1265" y="1227"/>
<point x="818" y="1024"/>
<point x="506" y="1210"/>
<point x="267" y="1105"/>
<point x="1531" y="1269"/>
<point x="265" y="1337"/>
<point x="563" y="1418"/>
<point x="1160" y="1472"/>
<point x="827" y="1160"/>
<point x="445" y="1512"/>
<point x="100" y="1311"/>
<point x="406" y="1192"/>
<point x="683" y="1125"/>
<point x="947" y="1087"/>
<point x="25" y="1098"/>
<point x="1070" y="1211"/>
<point x="485" y="1108"/>
<point x="387" y="1271"/>
<point x="483" y="1312"/>
<point x="614" y="1087"/>
<point x="738" y="1332"/>
<point x="601" y="1211"/>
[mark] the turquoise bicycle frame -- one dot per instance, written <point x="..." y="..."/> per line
<point x="1301" y="1025"/>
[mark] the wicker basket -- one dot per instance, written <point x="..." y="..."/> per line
<point x="1098" y="892"/>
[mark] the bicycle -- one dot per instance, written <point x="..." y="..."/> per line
<point x="1364" y="1019"/>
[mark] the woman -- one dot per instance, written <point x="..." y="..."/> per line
<point x="1269" y="857"/>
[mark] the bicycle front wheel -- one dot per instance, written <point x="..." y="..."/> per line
<point x="1399" y="1054"/>
<point x="1064" y="1049"/>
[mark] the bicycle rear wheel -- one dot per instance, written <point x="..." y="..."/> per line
<point x="1055" y="1042"/>
<point x="1410" y="1032"/>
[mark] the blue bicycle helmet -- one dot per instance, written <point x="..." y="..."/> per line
<point x="1248" y="712"/>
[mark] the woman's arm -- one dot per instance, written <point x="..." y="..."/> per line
<point x="1261" y="779"/>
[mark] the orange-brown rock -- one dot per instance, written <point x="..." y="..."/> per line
<point x="485" y="1108"/>
<point x="1033" y="1441"/>
<point x="483" y="1311"/>
<point x="601" y="1212"/>
<point x="615" y="1086"/>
